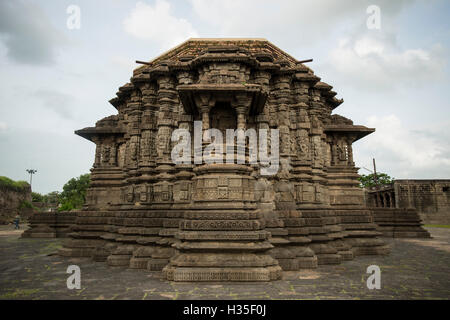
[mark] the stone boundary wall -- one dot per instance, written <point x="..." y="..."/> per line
<point x="431" y="198"/>
<point x="10" y="200"/>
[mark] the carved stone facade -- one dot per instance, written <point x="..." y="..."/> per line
<point x="224" y="222"/>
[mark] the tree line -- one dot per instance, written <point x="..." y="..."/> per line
<point x="72" y="196"/>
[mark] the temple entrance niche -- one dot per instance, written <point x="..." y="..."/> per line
<point x="222" y="117"/>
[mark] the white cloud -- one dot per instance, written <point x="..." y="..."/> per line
<point x="405" y="153"/>
<point x="3" y="126"/>
<point x="271" y="19"/>
<point x="288" y="21"/>
<point x="374" y="61"/>
<point x="158" y="24"/>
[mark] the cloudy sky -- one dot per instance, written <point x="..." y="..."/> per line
<point x="55" y="79"/>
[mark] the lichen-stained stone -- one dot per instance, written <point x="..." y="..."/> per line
<point x="201" y="220"/>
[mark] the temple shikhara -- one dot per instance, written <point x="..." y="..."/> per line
<point x="224" y="222"/>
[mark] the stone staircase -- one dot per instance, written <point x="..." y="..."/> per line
<point x="399" y="223"/>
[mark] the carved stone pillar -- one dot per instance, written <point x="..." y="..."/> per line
<point x="204" y="110"/>
<point x="98" y="151"/>
<point x="113" y="154"/>
<point x="350" y="151"/>
<point x="241" y="119"/>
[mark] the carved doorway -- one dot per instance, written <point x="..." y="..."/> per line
<point x="222" y="117"/>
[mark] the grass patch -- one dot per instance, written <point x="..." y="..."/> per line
<point x="52" y="247"/>
<point x="9" y="184"/>
<point x="437" y="225"/>
<point x="19" y="293"/>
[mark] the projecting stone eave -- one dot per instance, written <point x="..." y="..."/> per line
<point x="115" y="102"/>
<point x="334" y="102"/>
<point x="355" y="130"/>
<point x="90" y="132"/>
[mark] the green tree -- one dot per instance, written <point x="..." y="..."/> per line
<point x="37" y="197"/>
<point x="73" y="195"/>
<point x="52" y="197"/>
<point x="367" y="181"/>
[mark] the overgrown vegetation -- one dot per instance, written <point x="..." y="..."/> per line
<point x="9" y="184"/>
<point x="73" y="195"/>
<point x="25" y="204"/>
<point x="367" y="181"/>
<point x="37" y="197"/>
<point x="437" y="226"/>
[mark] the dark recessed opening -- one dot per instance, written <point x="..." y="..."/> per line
<point x="446" y="189"/>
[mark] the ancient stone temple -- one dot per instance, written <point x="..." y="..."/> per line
<point x="203" y="221"/>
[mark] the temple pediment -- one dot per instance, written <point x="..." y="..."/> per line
<point x="199" y="49"/>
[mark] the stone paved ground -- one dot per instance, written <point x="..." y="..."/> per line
<point x="416" y="269"/>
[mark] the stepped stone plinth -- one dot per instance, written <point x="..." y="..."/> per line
<point x="50" y="224"/>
